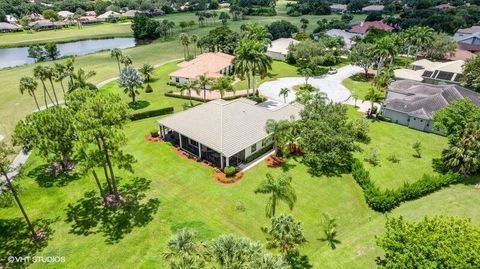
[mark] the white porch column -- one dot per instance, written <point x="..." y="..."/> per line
<point x="227" y="161"/>
<point x="199" y="150"/>
<point x="221" y="161"/>
<point x="180" y="138"/>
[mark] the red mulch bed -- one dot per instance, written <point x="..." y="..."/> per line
<point x="221" y="178"/>
<point x="150" y="138"/>
<point x="273" y="161"/>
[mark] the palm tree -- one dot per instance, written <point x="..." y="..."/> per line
<point x="304" y="24"/>
<point x="70" y="69"/>
<point x="117" y="53"/>
<point x="50" y="73"/>
<point x="423" y="38"/>
<point x="285" y="233"/>
<point x="277" y="130"/>
<point x="5" y="169"/>
<point x="147" y="71"/>
<point x="185" y="40"/>
<point x="374" y="96"/>
<point x="183" y="251"/>
<point x="355" y="97"/>
<point x="284" y="93"/>
<point x="280" y="189"/>
<point x="29" y="85"/>
<point x="126" y="60"/>
<point x="330" y="231"/>
<point x="59" y="75"/>
<point x="39" y="73"/>
<point x="130" y="80"/>
<point x="382" y="52"/>
<point x="229" y="252"/>
<point x="194" y="39"/>
<point x="242" y="66"/>
<point x="224" y="17"/>
<point x="203" y="81"/>
<point x="187" y="86"/>
<point x="254" y="31"/>
<point x="223" y="85"/>
<point x="80" y="80"/>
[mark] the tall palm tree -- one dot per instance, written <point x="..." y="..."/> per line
<point x="304" y="22"/>
<point x="373" y="96"/>
<point x="284" y="93"/>
<point x="80" y="80"/>
<point x="194" y="39"/>
<point x="185" y="40"/>
<point x="277" y="130"/>
<point x="117" y="54"/>
<point x="280" y="189"/>
<point x="254" y="31"/>
<point x="147" y="71"/>
<point x="223" y="85"/>
<point x="50" y="73"/>
<point x="130" y="80"/>
<point x="126" y="60"/>
<point x="202" y="82"/>
<point x="183" y="251"/>
<point x="29" y="85"/>
<point x="329" y="226"/>
<point x="40" y="73"/>
<point x="382" y="52"/>
<point x="188" y="87"/>
<point x="5" y="169"/>
<point x="70" y="68"/>
<point x="59" y="75"/>
<point x="423" y="38"/>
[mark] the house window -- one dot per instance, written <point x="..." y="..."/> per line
<point x="421" y="120"/>
<point x="177" y="79"/>
<point x="253" y="148"/>
<point x="192" y="142"/>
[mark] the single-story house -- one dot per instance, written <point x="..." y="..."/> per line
<point x="278" y="49"/>
<point x="470" y="43"/>
<point x="373" y="8"/>
<point x="9" y="27"/>
<point x="362" y="28"/>
<point x="44" y="24"/>
<point x="87" y="20"/>
<point x="35" y="17"/>
<point x="130" y="13"/>
<point x="108" y="16"/>
<point x="413" y="104"/>
<point x="338" y="8"/>
<point x="66" y="15"/>
<point x="433" y="72"/>
<point x="461" y="54"/>
<point x="155" y="12"/>
<point x="346" y="36"/>
<point x="225" y="133"/>
<point x="91" y="13"/>
<point x="465" y="32"/>
<point x="210" y="64"/>
<point x="446" y="6"/>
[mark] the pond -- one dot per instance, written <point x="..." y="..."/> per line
<point x="19" y="56"/>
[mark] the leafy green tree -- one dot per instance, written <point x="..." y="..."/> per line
<point x="117" y="54"/>
<point x="130" y="80"/>
<point x="306" y="72"/>
<point x="453" y="118"/>
<point x="284" y="93"/>
<point x="417" y="147"/>
<point x="326" y="137"/>
<point x="79" y="80"/>
<point x="280" y="189"/>
<point x="29" y="85"/>
<point x="126" y="60"/>
<point x="304" y="22"/>
<point x="471" y="74"/>
<point x="362" y="55"/>
<point x="463" y="152"/>
<point x="224" y="17"/>
<point x="329" y="226"/>
<point x="50" y="14"/>
<point x="143" y="27"/>
<point x="281" y="28"/>
<point x="5" y="169"/>
<point x="285" y="233"/>
<point x="37" y="52"/>
<point x="438" y="242"/>
<point x="442" y="46"/>
<point x="147" y="71"/>
<point x="52" y="51"/>
<point x="223" y="85"/>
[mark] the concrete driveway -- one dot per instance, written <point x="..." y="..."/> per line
<point x="331" y="85"/>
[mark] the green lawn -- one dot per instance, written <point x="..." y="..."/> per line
<point x="358" y="84"/>
<point x="72" y="33"/>
<point x="189" y="197"/>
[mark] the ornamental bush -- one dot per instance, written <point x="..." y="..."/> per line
<point x="230" y="171"/>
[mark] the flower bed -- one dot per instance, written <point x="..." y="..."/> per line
<point x="273" y="161"/>
<point x="220" y="177"/>
<point x="150" y="138"/>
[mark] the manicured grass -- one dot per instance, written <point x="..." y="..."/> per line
<point x="189" y="197"/>
<point x="72" y="33"/>
<point x="358" y="84"/>
<point x="279" y="69"/>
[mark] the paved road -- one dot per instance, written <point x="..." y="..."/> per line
<point x="329" y="84"/>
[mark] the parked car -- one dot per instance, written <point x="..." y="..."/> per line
<point x="332" y="71"/>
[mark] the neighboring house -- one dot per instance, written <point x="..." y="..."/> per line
<point x="91" y="13"/>
<point x="11" y="19"/>
<point x="338" y="8"/>
<point x="130" y="13"/>
<point x="224" y="5"/>
<point x="87" y="20"/>
<point x="470" y="43"/>
<point x="433" y="72"/>
<point x="35" y="17"/>
<point x="465" y="32"/>
<point x="346" y="36"/>
<point x="9" y="27"/>
<point x="66" y="15"/>
<point x="445" y="7"/>
<point x="108" y="16"/>
<point x="413" y="104"/>
<point x="362" y="28"/>
<point x="225" y="133"/>
<point x="278" y="49"/>
<point x="373" y="8"/>
<point x="461" y="54"/>
<point x="44" y="25"/>
<point x="210" y="64"/>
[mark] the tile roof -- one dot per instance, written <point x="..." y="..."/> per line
<point x="281" y="45"/>
<point x="363" y="27"/>
<point x="423" y="100"/>
<point x="210" y="64"/>
<point x="228" y="126"/>
<point x="338" y="7"/>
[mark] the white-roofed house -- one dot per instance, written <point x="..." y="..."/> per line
<point x="210" y="64"/>
<point x="65" y="14"/>
<point x="109" y="15"/>
<point x="433" y="72"/>
<point x="338" y="8"/>
<point x="225" y="133"/>
<point x="278" y="49"/>
<point x="373" y="9"/>
<point x="9" y="27"/>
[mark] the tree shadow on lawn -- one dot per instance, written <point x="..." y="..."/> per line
<point x="139" y="104"/>
<point x="89" y="216"/>
<point x="44" y="179"/>
<point x="16" y="240"/>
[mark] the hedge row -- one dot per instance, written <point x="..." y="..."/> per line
<point x="259" y="153"/>
<point x="151" y="113"/>
<point x="384" y="201"/>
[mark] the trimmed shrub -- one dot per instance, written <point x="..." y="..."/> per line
<point x="230" y="171"/>
<point x="384" y="201"/>
<point x="259" y="153"/>
<point x="151" y="113"/>
<point x="154" y="133"/>
<point x="149" y="88"/>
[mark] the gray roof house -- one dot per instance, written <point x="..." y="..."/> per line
<point x="373" y="8"/>
<point x="9" y="27"/>
<point x="413" y="103"/>
<point x="225" y="133"/>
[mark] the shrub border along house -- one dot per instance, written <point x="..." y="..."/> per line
<point x="384" y="201"/>
<point x="151" y="113"/>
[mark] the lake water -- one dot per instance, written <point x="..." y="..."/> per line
<point x="19" y="56"/>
